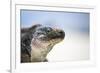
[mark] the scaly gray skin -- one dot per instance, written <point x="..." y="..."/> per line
<point x="37" y="41"/>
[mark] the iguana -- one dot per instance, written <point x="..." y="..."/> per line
<point x="37" y="41"/>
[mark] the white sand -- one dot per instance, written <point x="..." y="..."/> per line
<point x="75" y="46"/>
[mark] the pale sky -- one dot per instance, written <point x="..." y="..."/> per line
<point x="73" y="21"/>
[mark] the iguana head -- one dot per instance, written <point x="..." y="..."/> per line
<point x="48" y="35"/>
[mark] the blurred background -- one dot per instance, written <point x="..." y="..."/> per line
<point x="75" y="46"/>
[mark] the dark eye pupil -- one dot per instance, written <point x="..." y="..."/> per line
<point x="38" y="33"/>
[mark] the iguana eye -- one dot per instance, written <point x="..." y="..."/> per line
<point x="38" y="33"/>
<point x="49" y="29"/>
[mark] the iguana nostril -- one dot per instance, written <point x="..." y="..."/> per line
<point x="61" y="32"/>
